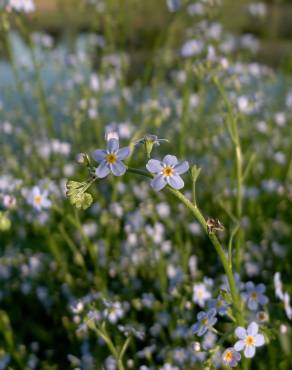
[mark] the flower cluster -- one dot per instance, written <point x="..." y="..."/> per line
<point x="249" y="339"/>
<point x="26" y="6"/>
<point x="167" y="171"/>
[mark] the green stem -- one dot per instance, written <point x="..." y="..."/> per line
<point x="215" y="242"/>
<point x="232" y="126"/>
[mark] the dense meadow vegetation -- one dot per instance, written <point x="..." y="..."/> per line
<point x="145" y="188"/>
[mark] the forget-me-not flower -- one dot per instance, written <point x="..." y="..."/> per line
<point x="111" y="158"/>
<point x="173" y="5"/>
<point x="220" y="305"/>
<point x="254" y="295"/>
<point x="249" y="339"/>
<point x="38" y="199"/>
<point x="230" y="357"/>
<point x="25" y="6"/>
<point x="167" y="172"/>
<point x="200" y="294"/>
<point x="205" y="321"/>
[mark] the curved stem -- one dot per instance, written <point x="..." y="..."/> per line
<point x="215" y="242"/>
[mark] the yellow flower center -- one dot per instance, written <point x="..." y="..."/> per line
<point x="254" y="295"/>
<point x="167" y="171"/>
<point x="205" y="321"/>
<point x="249" y="340"/>
<point x="111" y="158"/>
<point x="37" y="200"/>
<point x="200" y="294"/>
<point x="228" y="357"/>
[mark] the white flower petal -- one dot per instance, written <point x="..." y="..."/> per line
<point x="252" y="328"/>
<point x="240" y="332"/>
<point x="239" y="345"/>
<point x="249" y="351"/>
<point x="154" y="166"/>
<point x="259" y="340"/>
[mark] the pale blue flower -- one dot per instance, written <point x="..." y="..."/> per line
<point x="230" y="357"/>
<point x="205" y="321"/>
<point x="25" y="6"/>
<point x="39" y="199"/>
<point x="254" y="295"/>
<point x="111" y="159"/>
<point x="173" y="5"/>
<point x="167" y="172"/>
<point x="220" y="305"/>
<point x="201" y="294"/>
<point x="249" y="339"/>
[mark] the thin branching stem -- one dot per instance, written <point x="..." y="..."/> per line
<point x="214" y="240"/>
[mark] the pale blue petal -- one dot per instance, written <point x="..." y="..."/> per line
<point x="252" y="328"/>
<point x="261" y="288"/>
<point x="99" y="155"/>
<point x="173" y="5"/>
<point x="239" y="345"/>
<point x="263" y="299"/>
<point x="259" y="340"/>
<point x="211" y="313"/>
<point x="182" y="167"/>
<point x="252" y="304"/>
<point x="154" y="166"/>
<point x="237" y="356"/>
<point x="202" y="330"/>
<point x="212" y="321"/>
<point x="102" y="170"/>
<point x="36" y="191"/>
<point x="196" y="327"/>
<point x="46" y="203"/>
<point x="123" y="153"/>
<point x="249" y="351"/>
<point x="249" y="286"/>
<point x="240" y="332"/>
<point x="175" y="181"/>
<point x="170" y="160"/>
<point x="158" y="182"/>
<point x="112" y="145"/>
<point x="201" y="315"/>
<point x="118" y="168"/>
